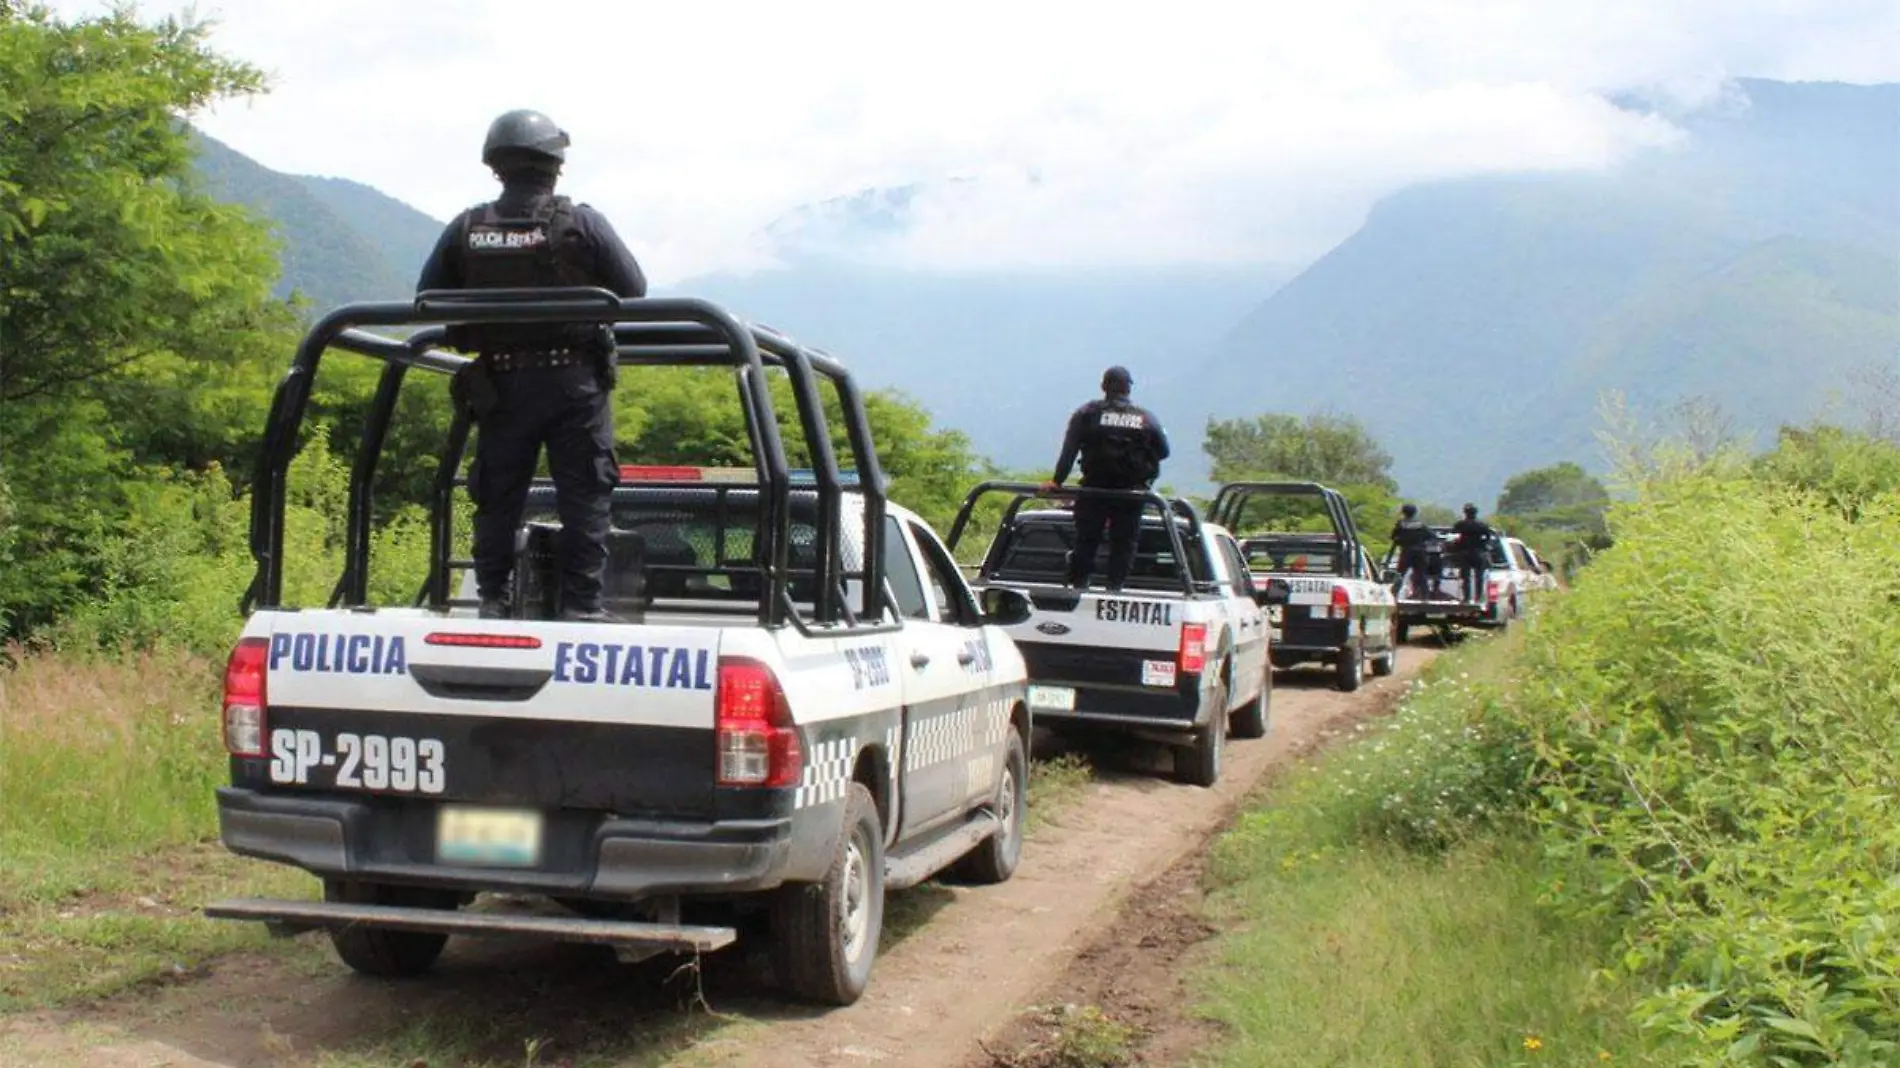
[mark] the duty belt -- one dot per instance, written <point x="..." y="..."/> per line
<point x="504" y="362"/>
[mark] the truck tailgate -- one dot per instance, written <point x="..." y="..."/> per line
<point x="614" y="718"/>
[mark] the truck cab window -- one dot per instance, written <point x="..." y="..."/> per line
<point x="901" y="573"/>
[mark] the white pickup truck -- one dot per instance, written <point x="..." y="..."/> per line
<point x="1178" y="656"/>
<point x="805" y="707"/>
<point x="1332" y="609"/>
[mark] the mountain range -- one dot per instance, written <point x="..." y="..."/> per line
<point x="1473" y="324"/>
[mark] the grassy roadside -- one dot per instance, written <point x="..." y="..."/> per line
<point x="1372" y="917"/>
<point x="108" y="847"/>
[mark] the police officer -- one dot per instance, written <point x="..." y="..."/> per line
<point x="536" y="384"/>
<point x="1415" y="542"/>
<point x="1121" y="447"/>
<point x="1473" y="549"/>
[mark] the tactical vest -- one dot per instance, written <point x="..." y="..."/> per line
<point x="1119" y="453"/>
<point x="541" y="248"/>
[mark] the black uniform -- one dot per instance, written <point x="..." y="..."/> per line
<point x="1418" y="547"/>
<point x="552" y="382"/>
<point x="1121" y="446"/>
<point x="1473" y="549"/>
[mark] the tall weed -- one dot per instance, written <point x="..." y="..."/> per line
<point x="1716" y="710"/>
<point x="175" y="577"/>
<point x="1447" y="766"/>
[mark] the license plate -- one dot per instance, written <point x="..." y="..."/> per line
<point x="493" y="836"/>
<point x="1157" y="673"/>
<point x="1059" y="697"/>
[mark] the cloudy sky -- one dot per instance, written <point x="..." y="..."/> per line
<point x="1168" y="132"/>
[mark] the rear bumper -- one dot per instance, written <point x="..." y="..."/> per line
<point x="583" y="854"/>
<point x="1148" y="711"/>
<point x="1457" y="612"/>
<point x="1298" y="640"/>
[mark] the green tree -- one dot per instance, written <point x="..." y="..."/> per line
<point x="136" y="310"/>
<point x="108" y="254"/>
<point x="1333" y="449"/>
<point x="1562" y="496"/>
<point x="1560" y="510"/>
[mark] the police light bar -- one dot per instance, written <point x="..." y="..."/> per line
<point x="682" y="473"/>
<point x="687" y="473"/>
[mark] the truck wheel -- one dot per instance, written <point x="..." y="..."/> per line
<point x="1352" y="668"/>
<point x="1198" y="762"/>
<point x="1386" y="663"/>
<point x="825" y="934"/>
<point x="995" y="860"/>
<point x="1251" y="721"/>
<point x="380" y="951"/>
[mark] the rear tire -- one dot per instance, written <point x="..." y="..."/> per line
<point x="825" y="934"/>
<point x="380" y="951"/>
<point x="1252" y="721"/>
<point x="995" y="860"/>
<point x="1198" y="762"/>
<point x="1351" y="668"/>
<point x="1386" y="663"/>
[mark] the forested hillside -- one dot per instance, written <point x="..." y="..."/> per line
<point x="341" y="241"/>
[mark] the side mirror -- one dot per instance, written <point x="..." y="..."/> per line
<point x="1276" y="592"/>
<point x="1005" y="607"/>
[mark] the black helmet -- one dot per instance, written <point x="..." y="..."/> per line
<point x="1471" y="510"/>
<point x="524" y="133"/>
<point x="1409" y="511"/>
<point x="1117" y="380"/>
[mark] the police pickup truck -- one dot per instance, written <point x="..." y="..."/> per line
<point x="1442" y="604"/>
<point x="1335" y="609"/>
<point x="805" y="707"/>
<point x="1179" y="656"/>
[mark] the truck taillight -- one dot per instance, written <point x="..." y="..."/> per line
<point x="244" y="697"/>
<point x="1492" y="591"/>
<point x="1193" y="657"/>
<point x="756" y="738"/>
<point x="1342" y="603"/>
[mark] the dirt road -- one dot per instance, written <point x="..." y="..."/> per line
<point x="958" y="963"/>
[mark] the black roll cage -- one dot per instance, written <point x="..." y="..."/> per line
<point x="1230" y="504"/>
<point x="1165" y="508"/>
<point x="648" y="332"/>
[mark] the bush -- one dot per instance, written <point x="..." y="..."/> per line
<point x="1716" y="710"/>
<point x="1449" y="764"/>
<point x="174" y="576"/>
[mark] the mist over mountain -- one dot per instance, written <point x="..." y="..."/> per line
<point x="1476" y="324"/>
<point x="1473" y="324"/>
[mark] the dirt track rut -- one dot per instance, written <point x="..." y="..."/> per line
<point x="956" y="969"/>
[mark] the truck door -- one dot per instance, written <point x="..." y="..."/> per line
<point x="979" y="736"/>
<point x="930" y="777"/>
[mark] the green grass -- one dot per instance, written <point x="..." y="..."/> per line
<point x="1375" y="916"/>
<point x="1054" y="784"/>
<point x="108" y="849"/>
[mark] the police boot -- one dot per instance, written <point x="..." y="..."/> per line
<point x="582" y="614"/>
<point x="494" y="608"/>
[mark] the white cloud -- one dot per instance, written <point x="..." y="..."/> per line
<point x="1164" y="132"/>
